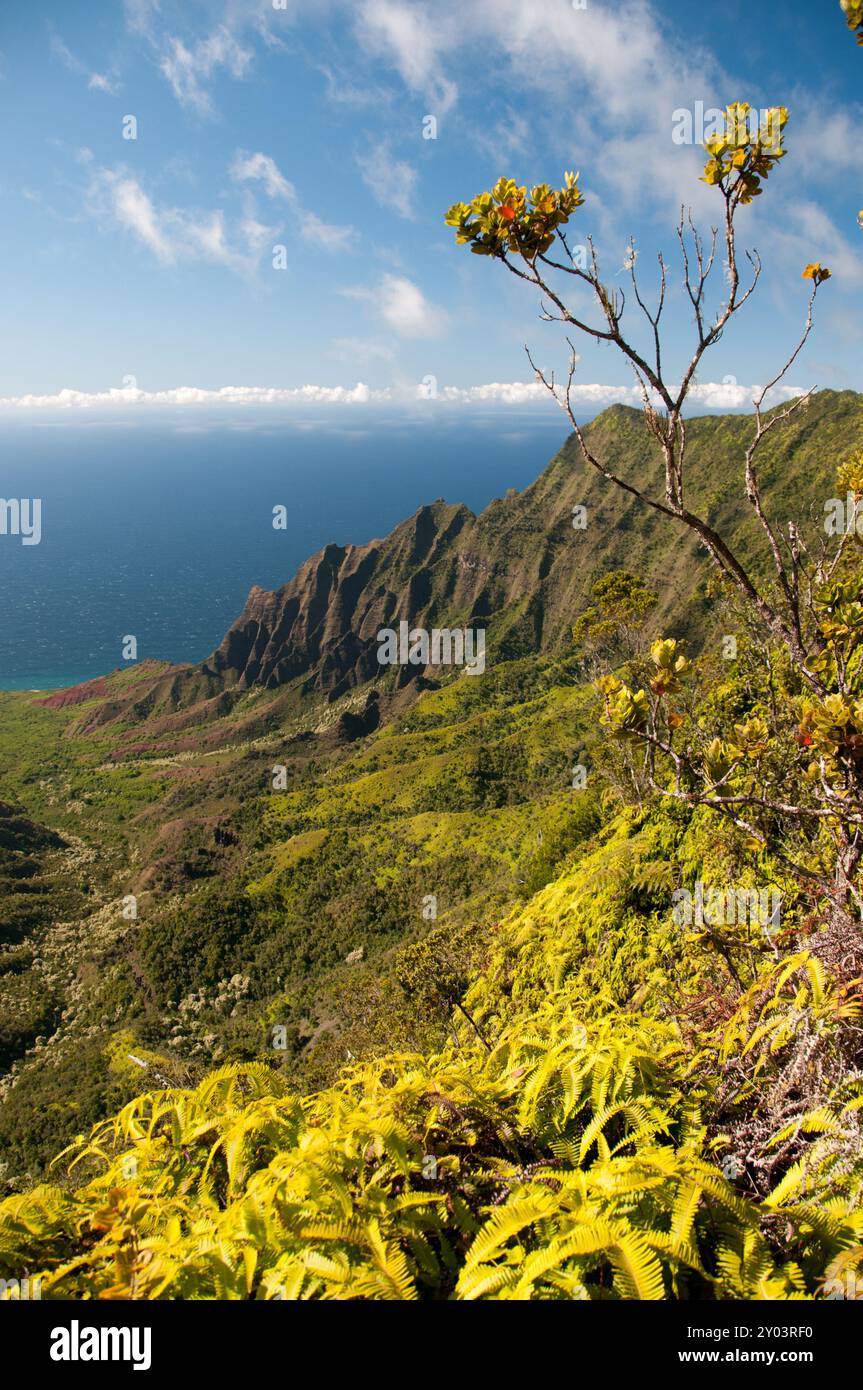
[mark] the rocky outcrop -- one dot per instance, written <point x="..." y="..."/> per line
<point x="323" y="625"/>
<point x="353" y="726"/>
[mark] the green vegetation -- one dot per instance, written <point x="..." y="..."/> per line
<point x="613" y="1118"/>
<point x="250" y="900"/>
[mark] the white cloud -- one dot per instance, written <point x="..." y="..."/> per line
<point x="257" y="235"/>
<point x="414" y="41"/>
<point x="496" y="392"/>
<point x="727" y="395"/>
<point x="175" y="234"/>
<point x="503" y="140"/>
<point x="191" y="65"/>
<point x="624" y="58"/>
<point x="342" y="90"/>
<point x="324" y="234"/>
<point x="825" y="142"/>
<point x="393" y="182"/>
<point x="620" y="54"/>
<point x="134" y="210"/>
<point x="188" y="69"/>
<point x="401" y="305"/>
<point x="808" y="233"/>
<point x="140" y="15"/>
<point x="261" y="168"/>
<point x="96" y="81"/>
<point x="69" y="399"/>
<point x="405" y="309"/>
<point x="712" y="395"/>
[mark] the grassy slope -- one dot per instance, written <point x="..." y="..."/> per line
<point x="575" y="1153"/>
<point x="554" y="565"/>
<point x="453" y="799"/>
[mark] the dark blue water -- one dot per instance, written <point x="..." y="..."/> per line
<point x="160" y="533"/>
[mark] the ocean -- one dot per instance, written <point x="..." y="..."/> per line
<point x="159" y="529"/>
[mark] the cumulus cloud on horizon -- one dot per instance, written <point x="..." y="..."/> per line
<point x="711" y="395"/>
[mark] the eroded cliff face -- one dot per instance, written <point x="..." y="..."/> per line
<point x="323" y="625"/>
<point x="520" y="570"/>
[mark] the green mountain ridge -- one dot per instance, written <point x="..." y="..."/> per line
<point x="519" y="569"/>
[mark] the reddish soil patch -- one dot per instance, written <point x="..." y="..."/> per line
<point x="97" y="689"/>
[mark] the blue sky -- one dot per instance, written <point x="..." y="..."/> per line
<point x="146" y="265"/>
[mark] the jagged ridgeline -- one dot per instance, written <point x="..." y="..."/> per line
<point x="412" y="1006"/>
<point x="521" y="568"/>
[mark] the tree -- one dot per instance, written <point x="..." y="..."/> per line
<point x="613" y="626"/>
<point x="854" y="15"/>
<point x="435" y="973"/>
<point x="769" y="779"/>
